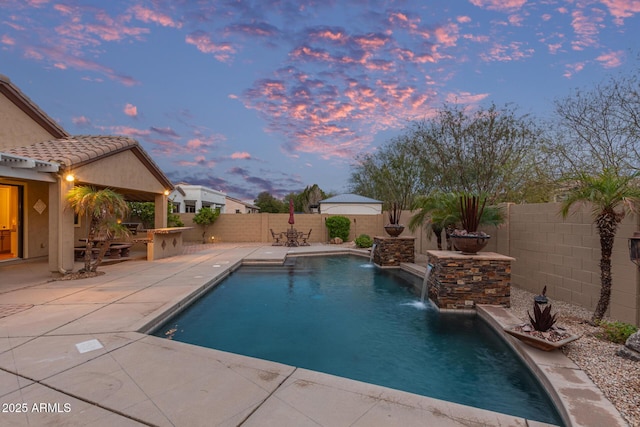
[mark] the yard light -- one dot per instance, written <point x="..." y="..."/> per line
<point x="634" y="248"/>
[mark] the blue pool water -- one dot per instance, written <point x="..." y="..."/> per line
<point x="336" y="314"/>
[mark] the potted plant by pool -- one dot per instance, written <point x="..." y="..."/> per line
<point x="394" y="228"/>
<point x="541" y="331"/>
<point x="469" y="240"/>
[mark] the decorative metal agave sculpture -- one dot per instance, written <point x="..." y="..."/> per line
<point x="542" y="320"/>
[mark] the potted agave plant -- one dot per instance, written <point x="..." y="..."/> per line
<point x="541" y="332"/>
<point x="394" y="228"/>
<point x="468" y="239"/>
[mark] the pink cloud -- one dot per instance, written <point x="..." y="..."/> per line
<point x="586" y="28"/>
<point x="200" y="161"/>
<point x="81" y="121"/>
<point x="131" y="110"/>
<point x="499" y="5"/>
<point x="611" y="59"/>
<point x="447" y="35"/>
<point x="511" y="52"/>
<point x="571" y="69"/>
<point x="466" y="98"/>
<point x="5" y="39"/>
<point x="463" y="19"/>
<point x="241" y="155"/>
<point x="147" y="15"/>
<point x="202" y="41"/>
<point x="621" y="9"/>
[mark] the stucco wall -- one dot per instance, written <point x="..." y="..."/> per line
<point x="121" y="170"/>
<point x="255" y="227"/>
<point x="18" y="128"/>
<point x="36" y="227"/>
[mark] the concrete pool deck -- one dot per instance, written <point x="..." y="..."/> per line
<point x="71" y="353"/>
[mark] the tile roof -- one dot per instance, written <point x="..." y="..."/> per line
<point x="75" y="150"/>
<point x="78" y="150"/>
<point x="349" y="198"/>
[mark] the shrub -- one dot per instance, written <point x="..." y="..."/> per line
<point x="338" y="226"/>
<point x="617" y="332"/>
<point x="364" y="241"/>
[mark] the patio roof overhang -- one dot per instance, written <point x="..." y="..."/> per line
<point x="12" y="166"/>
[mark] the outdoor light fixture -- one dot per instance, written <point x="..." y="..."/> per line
<point x="70" y="177"/>
<point x="166" y="192"/>
<point x="634" y="248"/>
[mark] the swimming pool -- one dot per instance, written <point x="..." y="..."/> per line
<point x="337" y="315"/>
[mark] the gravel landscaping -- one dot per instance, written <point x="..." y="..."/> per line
<point x="618" y="378"/>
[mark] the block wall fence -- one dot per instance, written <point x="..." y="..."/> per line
<point x="563" y="254"/>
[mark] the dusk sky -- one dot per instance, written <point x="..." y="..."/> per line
<point x="246" y="96"/>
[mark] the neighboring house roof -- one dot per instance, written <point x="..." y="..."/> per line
<point x="249" y="205"/>
<point x="75" y="151"/>
<point x="30" y="108"/>
<point x="349" y="198"/>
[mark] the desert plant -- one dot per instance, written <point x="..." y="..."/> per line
<point x="617" y="332"/>
<point x="364" y="241"/>
<point x="471" y="209"/>
<point x="204" y="218"/>
<point x="338" y="226"/>
<point x="542" y="320"/>
<point x="395" y="210"/>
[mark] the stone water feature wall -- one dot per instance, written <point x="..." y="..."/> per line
<point x="391" y="251"/>
<point x="460" y="281"/>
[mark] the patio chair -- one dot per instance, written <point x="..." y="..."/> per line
<point x="276" y="238"/>
<point x="304" y="238"/>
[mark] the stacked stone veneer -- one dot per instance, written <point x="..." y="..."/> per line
<point x="460" y="281"/>
<point x="391" y="251"/>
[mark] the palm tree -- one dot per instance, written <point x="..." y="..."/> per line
<point x="102" y="209"/>
<point x="611" y="197"/>
<point x="437" y="212"/>
<point x="443" y="211"/>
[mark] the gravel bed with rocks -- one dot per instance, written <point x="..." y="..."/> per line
<point x="618" y="378"/>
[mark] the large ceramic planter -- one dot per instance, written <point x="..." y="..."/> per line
<point x="469" y="244"/>
<point x="394" y="230"/>
<point x="539" y="343"/>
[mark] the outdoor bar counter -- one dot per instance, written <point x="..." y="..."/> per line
<point x="164" y="242"/>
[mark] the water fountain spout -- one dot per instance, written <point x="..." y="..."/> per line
<point x="373" y="249"/>
<point x="425" y="282"/>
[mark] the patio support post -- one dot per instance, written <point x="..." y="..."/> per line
<point x="61" y="228"/>
<point x="162" y="205"/>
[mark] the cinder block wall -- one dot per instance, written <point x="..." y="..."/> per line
<point x="565" y="256"/>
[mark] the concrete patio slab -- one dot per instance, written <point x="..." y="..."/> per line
<point x="47" y="407"/>
<point x="46" y="356"/>
<point x="41" y="319"/>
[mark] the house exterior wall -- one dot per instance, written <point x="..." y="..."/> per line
<point x="351" y="209"/>
<point x="202" y="196"/>
<point x="120" y="170"/>
<point x="232" y="206"/>
<point x="18" y="128"/>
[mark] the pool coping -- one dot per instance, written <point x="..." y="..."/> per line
<point x="274" y="394"/>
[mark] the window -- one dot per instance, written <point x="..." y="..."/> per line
<point x="237" y="210"/>
<point x="190" y="207"/>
